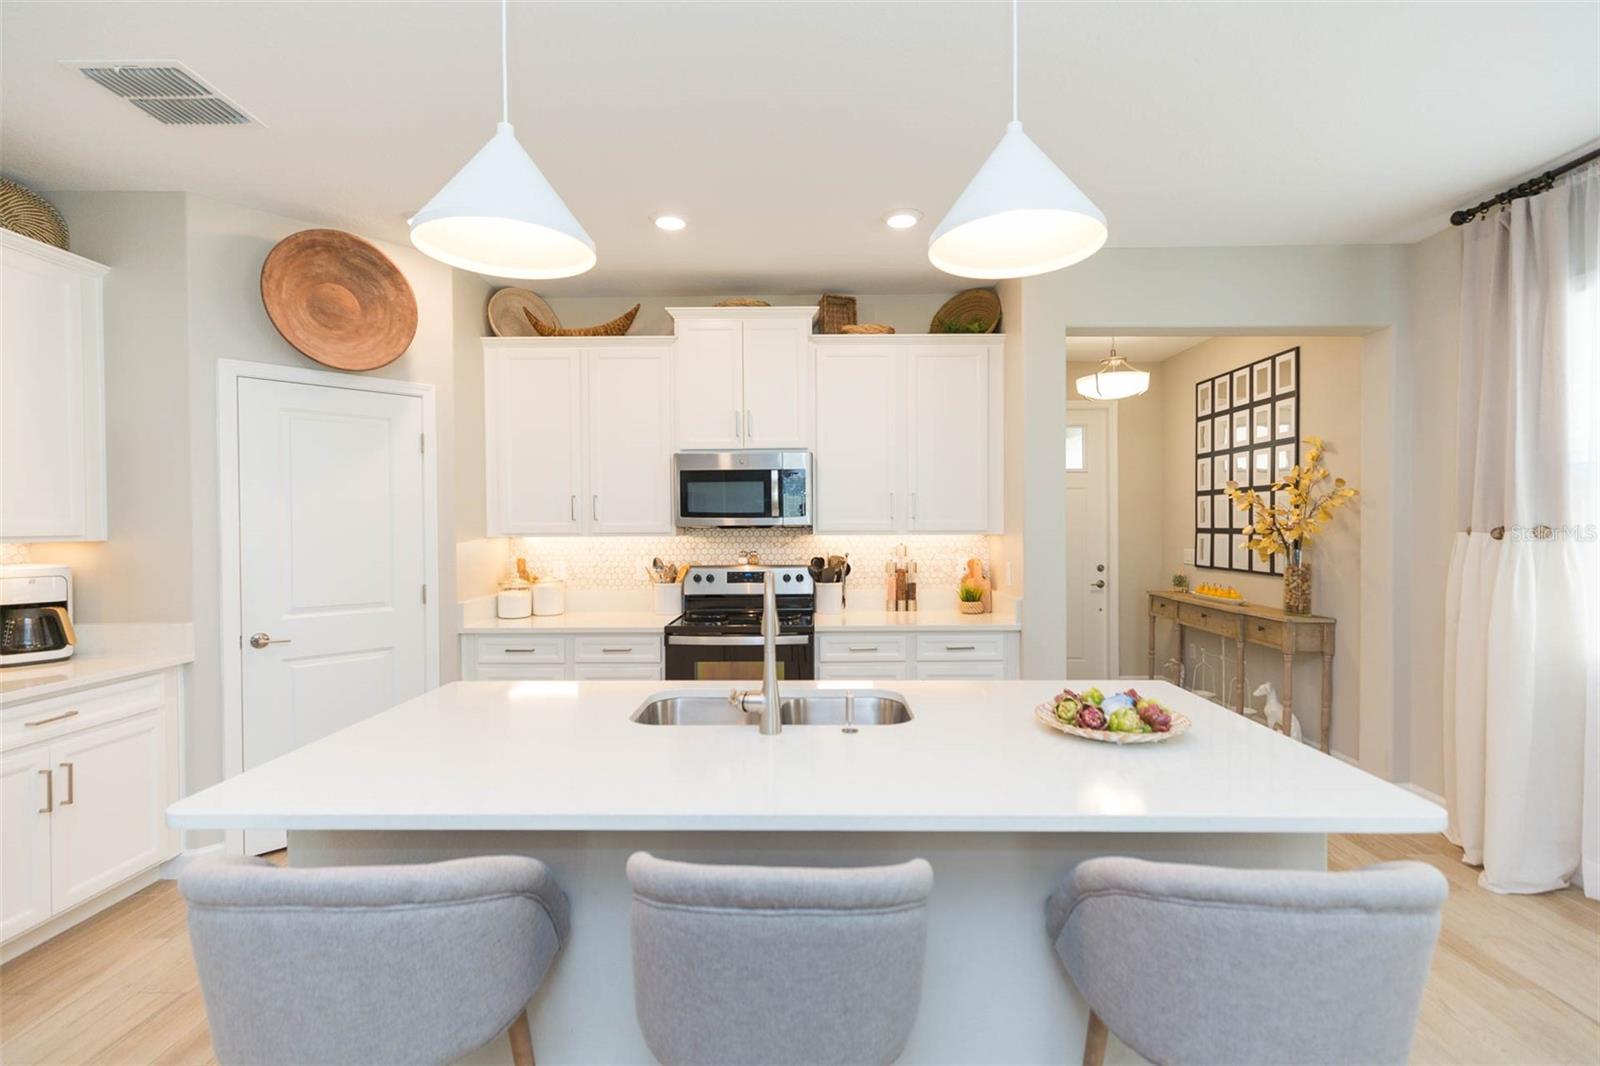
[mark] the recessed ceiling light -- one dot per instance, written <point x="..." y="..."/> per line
<point x="670" y="223"/>
<point x="904" y="218"/>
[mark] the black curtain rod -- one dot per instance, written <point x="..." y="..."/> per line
<point x="1531" y="187"/>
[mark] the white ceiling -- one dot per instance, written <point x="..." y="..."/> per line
<point x="783" y="131"/>
<point x="1136" y="350"/>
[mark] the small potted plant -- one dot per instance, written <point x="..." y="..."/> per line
<point x="1288" y="529"/>
<point x="1180" y="582"/>
<point x="971" y="597"/>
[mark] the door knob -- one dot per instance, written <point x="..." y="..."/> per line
<point x="261" y="640"/>
<point x="1099" y="584"/>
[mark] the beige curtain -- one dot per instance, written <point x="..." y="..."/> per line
<point x="1522" y="637"/>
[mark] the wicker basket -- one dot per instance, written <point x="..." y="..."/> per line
<point x="26" y="212"/>
<point x="974" y="307"/>
<point x="615" y="328"/>
<point x="741" y="301"/>
<point x="867" y="327"/>
<point x="836" y="312"/>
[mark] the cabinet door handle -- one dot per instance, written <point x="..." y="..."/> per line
<point x="572" y="508"/>
<point x="891" y="507"/>
<point x="49" y="791"/>
<point x="53" y="718"/>
<point x="748" y="422"/>
<point x="594" y="508"/>
<point x="736" y="434"/>
<point x="913" y="506"/>
<point x="71" y="778"/>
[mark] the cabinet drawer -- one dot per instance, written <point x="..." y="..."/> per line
<point x="863" y="671"/>
<point x="626" y="648"/>
<point x="618" y="671"/>
<point x="1162" y="608"/>
<point x="522" y="650"/>
<point x="1208" y="620"/>
<point x="863" y="647"/>
<point x="961" y="646"/>
<point x="57" y="715"/>
<point x="960" y="670"/>
<point x="521" y="672"/>
<point x="1264" y="631"/>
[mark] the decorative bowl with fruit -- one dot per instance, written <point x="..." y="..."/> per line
<point x="1207" y="590"/>
<point x="1121" y="718"/>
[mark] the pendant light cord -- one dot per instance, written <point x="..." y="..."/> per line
<point x="1014" y="60"/>
<point x="505" y="77"/>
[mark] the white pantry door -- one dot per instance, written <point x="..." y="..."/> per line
<point x="332" y="569"/>
<point x="1089" y="588"/>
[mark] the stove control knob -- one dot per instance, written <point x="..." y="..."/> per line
<point x="711" y="577"/>
<point x="788" y="577"/>
<point x="697" y="579"/>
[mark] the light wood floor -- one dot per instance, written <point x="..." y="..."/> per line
<point x="1516" y="978"/>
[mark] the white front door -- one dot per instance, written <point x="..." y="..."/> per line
<point x="1089" y="588"/>
<point x="332" y="569"/>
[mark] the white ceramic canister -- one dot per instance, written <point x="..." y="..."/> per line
<point x="830" y="597"/>
<point x="549" y="597"/>
<point x="669" y="597"/>
<point x="514" y="602"/>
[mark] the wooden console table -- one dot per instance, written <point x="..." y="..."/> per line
<point x="1251" y="623"/>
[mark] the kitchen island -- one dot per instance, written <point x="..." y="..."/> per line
<point x="1002" y="806"/>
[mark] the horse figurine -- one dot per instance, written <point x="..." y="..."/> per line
<point x="1273" y="711"/>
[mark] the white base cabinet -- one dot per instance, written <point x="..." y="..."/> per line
<point x="85" y="780"/>
<point x="908" y="432"/>
<point x="577" y="435"/>
<point x="52" y="394"/>
<point x="952" y="654"/>
<point x="631" y="655"/>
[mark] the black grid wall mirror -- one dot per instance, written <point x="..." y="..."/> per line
<point x="1246" y="429"/>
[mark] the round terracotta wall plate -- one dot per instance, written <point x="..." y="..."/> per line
<point x="338" y="299"/>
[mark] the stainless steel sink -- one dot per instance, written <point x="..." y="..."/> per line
<point x="869" y="707"/>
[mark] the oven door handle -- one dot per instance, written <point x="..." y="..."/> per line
<point x="789" y="639"/>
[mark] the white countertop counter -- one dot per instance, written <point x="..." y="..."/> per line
<point x="571" y="622"/>
<point x="562" y="755"/>
<point x="932" y="619"/>
<point x="105" y="653"/>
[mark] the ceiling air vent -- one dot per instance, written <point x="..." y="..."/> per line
<point x="167" y="92"/>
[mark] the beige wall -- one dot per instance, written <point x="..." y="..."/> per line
<point x="142" y="573"/>
<point x="1434" y="280"/>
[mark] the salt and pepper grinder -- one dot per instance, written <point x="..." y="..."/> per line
<point x="900" y="582"/>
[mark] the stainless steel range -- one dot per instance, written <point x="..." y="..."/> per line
<point x="718" y="636"/>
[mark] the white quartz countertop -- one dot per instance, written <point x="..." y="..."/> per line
<point x="105" y="653"/>
<point x="929" y="619"/>
<point x="563" y="755"/>
<point x="648" y="621"/>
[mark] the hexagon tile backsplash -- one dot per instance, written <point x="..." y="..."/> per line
<point x="619" y="562"/>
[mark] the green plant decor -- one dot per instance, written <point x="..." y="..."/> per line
<point x="969" y="593"/>
<point x="1179" y="581"/>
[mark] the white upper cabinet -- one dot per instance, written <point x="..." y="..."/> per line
<point x="533" y="469"/>
<point x="947" y="446"/>
<point x="908" y="434"/>
<point x="858" y="439"/>
<point x="743" y="377"/>
<point x="52" y="394"/>
<point x="710" y="385"/>
<point x="630" y="440"/>
<point x="577" y="435"/>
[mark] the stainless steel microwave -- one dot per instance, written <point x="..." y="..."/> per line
<point x="744" y="488"/>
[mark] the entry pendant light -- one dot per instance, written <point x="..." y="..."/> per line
<point x="1117" y="379"/>
<point x="499" y="215"/>
<point x="1020" y="215"/>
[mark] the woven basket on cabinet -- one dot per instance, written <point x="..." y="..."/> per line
<point x="26" y="212"/>
<point x="835" y="312"/>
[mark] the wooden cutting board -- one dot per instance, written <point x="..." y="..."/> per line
<point x="338" y="299"/>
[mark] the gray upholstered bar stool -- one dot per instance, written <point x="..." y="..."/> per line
<point x="368" y="964"/>
<point x="773" y="964"/>
<point x="1204" y="964"/>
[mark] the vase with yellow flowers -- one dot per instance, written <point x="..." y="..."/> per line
<point x="1286" y="529"/>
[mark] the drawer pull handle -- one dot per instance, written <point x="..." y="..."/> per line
<point x="71" y="778"/>
<point x="616" y="651"/>
<point x="521" y="651"/>
<point x="855" y="647"/>
<point x="49" y="791"/>
<point x="960" y="647"/>
<point x="53" y="718"/>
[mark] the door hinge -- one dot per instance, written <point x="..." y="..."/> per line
<point x="424" y="594"/>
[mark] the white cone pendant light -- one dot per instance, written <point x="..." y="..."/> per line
<point x="1117" y="379"/>
<point x="1019" y="215"/>
<point x="499" y="215"/>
